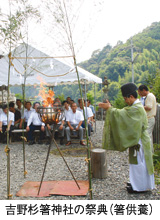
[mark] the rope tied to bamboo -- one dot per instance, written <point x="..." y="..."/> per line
<point x="87" y="160"/>
<point x="25" y="172"/>
<point x="91" y="144"/>
<point x="10" y="196"/>
<point x="11" y="59"/>
<point x="7" y="150"/>
<point x="24" y="138"/>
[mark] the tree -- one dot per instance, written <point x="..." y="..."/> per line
<point x="156" y="86"/>
<point x="119" y="101"/>
<point x="11" y="35"/>
<point x="113" y="90"/>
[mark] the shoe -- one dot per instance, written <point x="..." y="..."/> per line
<point x="128" y="184"/>
<point x="81" y="143"/>
<point x="68" y="143"/>
<point x="61" y="141"/>
<point x="130" y="190"/>
<point x="40" y="142"/>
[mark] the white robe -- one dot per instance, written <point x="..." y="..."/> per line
<point x="138" y="174"/>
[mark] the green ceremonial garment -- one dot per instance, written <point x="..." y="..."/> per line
<point x="124" y="128"/>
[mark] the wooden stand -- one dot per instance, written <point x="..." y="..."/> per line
<point x="99" y="163"/>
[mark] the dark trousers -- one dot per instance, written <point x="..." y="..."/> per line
<point x="32" y="129"/>
<point x="89" y="127"/>
<point x="3" y="135"/>
<point x="24" y="125"/>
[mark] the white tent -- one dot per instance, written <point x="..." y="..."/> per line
<point x="39" y="65"/>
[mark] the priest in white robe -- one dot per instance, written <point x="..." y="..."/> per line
<point x="127" y="129"/>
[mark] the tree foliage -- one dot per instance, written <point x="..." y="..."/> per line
<point x="115" y="63"/>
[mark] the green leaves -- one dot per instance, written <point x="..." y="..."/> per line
<point x="115" y="63"/>
<point x="13" y="24"/>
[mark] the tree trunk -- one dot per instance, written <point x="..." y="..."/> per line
<point x="99" y="163"/>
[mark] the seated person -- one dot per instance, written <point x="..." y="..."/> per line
<point x="19" y="105"/>
<point x="93" y="111"/>
<point x="35" y="123"/>
<point x="57" y="100"/>
<point x="68" y="99"/>
<point x="71" y="101"/>
<point x="88" y="115"/>
<point x="27" y="113"/>
<point x="59" y="126"/>
<point x="67" y="107"/>
<point x="74" y="120"/>
<point x="3" y="123"/>
<point x="91" y="106"/>
<point x="17" y="114"/>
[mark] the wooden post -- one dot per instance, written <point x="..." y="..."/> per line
<point x="98" y="163"/>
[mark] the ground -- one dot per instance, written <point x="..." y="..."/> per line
<point x="111" y="188"/>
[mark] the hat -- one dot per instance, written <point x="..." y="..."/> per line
<point x="128" y="88"/>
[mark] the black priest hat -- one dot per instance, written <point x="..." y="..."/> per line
<point x="128" y="88"/>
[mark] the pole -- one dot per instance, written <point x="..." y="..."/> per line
<point x="66" y="163"/>
<point x="101" y="101"/>
<point x="85" y="96"/>
<point x="23" y="139"/>
<point x="49" y="148"/>
<point x="7" y="149"/>
<point x="23" y="92"/>
<point x="132" y="60"/>
<point x="69" y="35"/>
<point x="95" y="103"/>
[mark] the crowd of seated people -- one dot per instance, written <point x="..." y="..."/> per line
<point x="72" y="121"/>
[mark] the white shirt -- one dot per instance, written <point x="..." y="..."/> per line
<point x="66" y="111"/>
<point x="34" y="119"/>
<point x="151" y="103"/>
<point x="27" y="114"/>
<point x="61" y="119"/>
<point x="88" y="112"/>
<point x="142" y="99"/>
<point x="74" y="118"/>
<point x="3" y="118"/>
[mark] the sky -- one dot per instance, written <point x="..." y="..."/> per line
<point x="119" y="20"/>
<point x="98" y="23"/>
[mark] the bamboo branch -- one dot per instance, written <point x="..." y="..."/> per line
<point x="86" y="126"/>
<point x="7" y="148"/>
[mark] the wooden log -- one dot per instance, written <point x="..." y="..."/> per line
<point x="99" y="163"/>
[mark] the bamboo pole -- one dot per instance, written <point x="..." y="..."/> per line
<point x="75" y="64"/>
<point x="23" y="91"/>
<point x="7" y="149"/>
<point x="95" y="103"/>
<point x="23" y="139"/>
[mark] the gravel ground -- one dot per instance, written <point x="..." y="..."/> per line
<point x="111" y="188"/>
